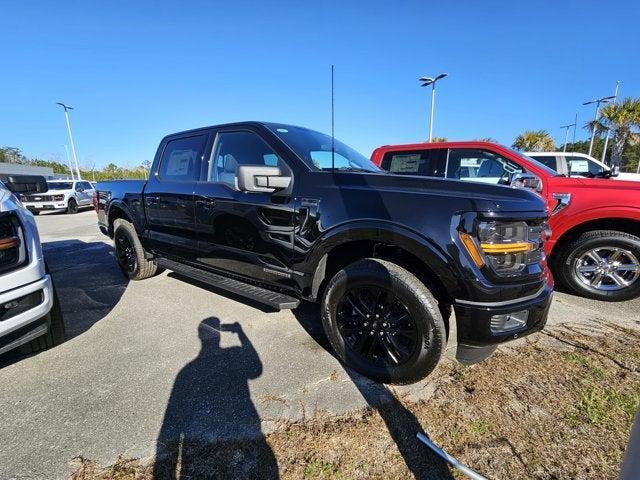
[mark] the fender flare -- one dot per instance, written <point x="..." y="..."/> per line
<point x="121" y="205"/>
<point x="431" y="255"/>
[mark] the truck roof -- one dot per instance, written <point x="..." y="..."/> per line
<point x="254" y="123"/>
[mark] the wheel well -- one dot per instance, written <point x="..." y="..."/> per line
<point x="116" y="212"/>
<point x="626" y="225"/>
<point x="350" y="252"/>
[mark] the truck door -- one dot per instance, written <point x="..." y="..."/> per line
<point x="246" y="234"/>
<point x="168" y="196"/>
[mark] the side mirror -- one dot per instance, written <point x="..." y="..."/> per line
<point x="260" y="178"/>
<point x="25" y="184"/>
<point x="79" y="189"/>
<point x="526" y="180"/>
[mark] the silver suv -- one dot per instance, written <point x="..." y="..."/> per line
<point x="30" y="315"/>
<point x="68" y="195"/>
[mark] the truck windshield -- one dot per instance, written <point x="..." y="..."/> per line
<point x="60" y="185"/>
<point x="314" y="148"/>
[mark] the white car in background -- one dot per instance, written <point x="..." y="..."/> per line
<point x="30" y="315"/>
<point x="574" y="164"/>
<point x="68" y="195"/>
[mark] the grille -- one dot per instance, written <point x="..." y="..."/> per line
<point x="39" y="198"/>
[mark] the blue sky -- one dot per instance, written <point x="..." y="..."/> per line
<point x="136" y="71"/>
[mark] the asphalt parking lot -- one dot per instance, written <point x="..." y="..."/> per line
<point x="145" y="360"/>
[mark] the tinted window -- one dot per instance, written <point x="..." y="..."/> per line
<point x="480" y="166"/>
<point x="60" y="185"/>
<point x="239" y="148"/>
<point x="428" y="163"/>
<point x="583" y="167"/>
<point x="180" y="158"/>
<point x="546" y="161"/>
<point x="85" y="185"/>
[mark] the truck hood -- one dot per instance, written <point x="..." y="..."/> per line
<point x="484" y="197"/>
<point x="612" y="183"/>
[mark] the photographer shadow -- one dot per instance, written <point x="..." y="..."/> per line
<point x="211" y="428"/>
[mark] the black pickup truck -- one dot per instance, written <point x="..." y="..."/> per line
<point x="279" y="214"/>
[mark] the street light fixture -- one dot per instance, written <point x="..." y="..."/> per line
<point x="566" y="132"/>
<point x="598" y="102"/>
<point x="73" y="147"/>
<point x="426" y="81"/>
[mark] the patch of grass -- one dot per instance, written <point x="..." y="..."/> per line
<point x="458" y="372"/>
<point x="575" y="358"/>
<point x="321" y="469"/>
<point x="598" y="405"/>
<point x="480" y="427"/>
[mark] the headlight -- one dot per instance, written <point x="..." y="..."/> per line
<point x="12" y="245"/>
<point x="506" y="247"/>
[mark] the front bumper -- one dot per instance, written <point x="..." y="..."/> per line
<point x="16" y="330"/>
<point x="474" y="321"/>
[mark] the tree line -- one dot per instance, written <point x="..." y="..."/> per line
<point x="109" y="172"/>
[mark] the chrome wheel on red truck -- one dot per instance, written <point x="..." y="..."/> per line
<point x="602" y="264"/>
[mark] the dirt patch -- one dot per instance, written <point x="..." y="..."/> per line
<point x="559" y="405"/>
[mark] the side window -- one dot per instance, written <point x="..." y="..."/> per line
<point x="546" y="160"/>
<point x="583" y="167"/>
<point x="428" y="163"/>
<point x="86" y="185"/>
<point x="483" y="166"/>
<point x="180" y="158"/>
<point x="232" y="149"/>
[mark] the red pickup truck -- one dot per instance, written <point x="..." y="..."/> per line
<point x="594" y="249"/>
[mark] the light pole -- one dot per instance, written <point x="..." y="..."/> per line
<point x="606" y="138"/>
<point x="597" y="101"/>
<point x="566" y="134"/>
<point x="73" y="147"/>
<point x="68" y="160"/>
<point x="426" y="81"/>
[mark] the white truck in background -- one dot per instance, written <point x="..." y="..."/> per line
<point x="30" y="315"/>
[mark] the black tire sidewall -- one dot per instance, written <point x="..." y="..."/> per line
<point x="73" y="202"/>
<point x="124" y="229"/>
<point x="424" y="312"/>
<point x="571" y="280"/>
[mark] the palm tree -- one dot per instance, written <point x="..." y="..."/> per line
<point x="623" y="119"/>
<point x="534" y="141"/>
<point x="487" y="139"/>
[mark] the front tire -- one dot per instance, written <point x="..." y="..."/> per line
<point x="383" y="322"/>
<point x="129" y="252"/>
<point x="72" y="206"/>
<point x="601" y="264"/>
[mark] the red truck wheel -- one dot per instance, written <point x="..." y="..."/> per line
<point x="602" y="264"/>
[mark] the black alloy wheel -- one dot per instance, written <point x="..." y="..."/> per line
<point x="375" y="324"/>
<point x="125" y="252"/>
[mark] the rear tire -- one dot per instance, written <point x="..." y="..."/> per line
<point x="72" y="206"/>
<point x="592" y="257"/>
<point x="55" y="334"/>
<point x="401" y="329"/>
<point x="129" y="252"/>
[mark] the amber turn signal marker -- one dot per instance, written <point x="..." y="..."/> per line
<point x="472" y="248"/>
<point x="7" y="243"/>
<point x="504" y="248"/>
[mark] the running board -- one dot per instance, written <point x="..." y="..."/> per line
<point x="276" y="300"/>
